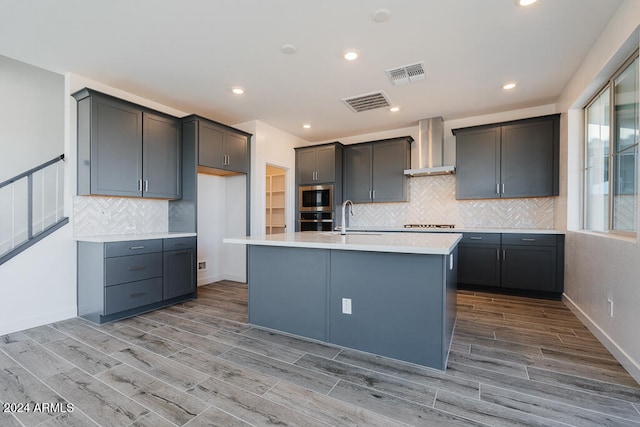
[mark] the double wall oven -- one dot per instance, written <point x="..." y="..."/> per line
<point x="315" y="207"/>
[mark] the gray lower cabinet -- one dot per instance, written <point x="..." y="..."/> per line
<point x="121" y="279"/>
<point x="222" y="150"/>
<point x="374" y="171"/>
<point x="530" y="262"/>
<point x="508" y="160"/>
<point x="126" y="150"/>
<point x="178" y="267"/>
<point x="524" y="262"/>
<point x="479" y="259"/>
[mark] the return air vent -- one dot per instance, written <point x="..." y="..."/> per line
<point x="407" y="74"/>
<point x="369" y="101"/>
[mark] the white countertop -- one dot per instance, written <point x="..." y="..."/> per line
<point x="416" y="243"/>
<point x="391" y="228"/>
<point x="130" y="237"/>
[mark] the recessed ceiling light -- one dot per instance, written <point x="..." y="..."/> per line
<point x="237" y="90"/>
<point x="306" y="126"/>
<point x="351" y="55"/>
<point x="381" y="15"/>
<point x="394" y="109"/>
<point x="525" y="2"/>
<point x="509" y="86"/>
<point x="288" y="49"/>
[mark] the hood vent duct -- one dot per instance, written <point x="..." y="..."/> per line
<point x="369" y="101"/>
<point x="431" y="149"/>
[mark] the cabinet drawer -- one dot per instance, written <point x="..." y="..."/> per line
<point x="132" y="268"/>
<point x="131" y="295"/>
<point x="529" y="239"/>
<point x="178" y="243"/>
<point x="480" y="238"/>
<point x="133" y="247"/>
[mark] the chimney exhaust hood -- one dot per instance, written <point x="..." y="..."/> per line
<point x="431" y="149"/>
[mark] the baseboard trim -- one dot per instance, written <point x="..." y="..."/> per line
<point x="209" y="279"/>
<point x="40" y="320"/>
<point x="621" y="356"/>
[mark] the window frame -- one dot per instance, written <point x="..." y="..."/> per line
<point x="609" y="85"/>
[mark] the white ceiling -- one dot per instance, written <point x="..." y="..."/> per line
<point x="187" y="54"/>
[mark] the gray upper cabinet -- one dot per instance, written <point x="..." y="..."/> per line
<point x="477" y="163"/>
<point x="126" y="150"/>
<point x="374" y="171"/>
<point x="316" y="165"/>
<point x="358" y="172"/>
<point x="508" y="160"/>
<point x="221" y="150"/>
<point x="161" y="147"/>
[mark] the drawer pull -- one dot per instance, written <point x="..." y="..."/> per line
<point x="133" y="248"/>
<point x="137" y="295"/>
<point x="137" y="267"/>
<point x="180" y="244"/>
<point x="181" y="253"/>
<point x="528" y="239"/>
<point x="475" y="238"/>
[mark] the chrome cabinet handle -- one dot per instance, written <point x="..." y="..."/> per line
<point x="503" y="188"/>
<point x="528" y="239"/>
<point x="497" y="254"/>
<point x="135" y="247"/>
<point x="504" y="255"/>
<point x="498" y="188"/>
<point x="139" y="185"/>
<point x="146" y="185"/>
<point x="475" y="238"/>
<point x="137" y="267"/>
<point x="374" y="195"/>
<point x="138" y="294"/>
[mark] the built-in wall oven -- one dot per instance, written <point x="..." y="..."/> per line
<point x="315" y="207"/>
<point x="316" y="221"/>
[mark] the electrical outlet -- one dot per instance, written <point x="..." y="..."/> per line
<point x="346" y="305"/>
<point x="202" y="265"/>
<point x="610" y="305"/>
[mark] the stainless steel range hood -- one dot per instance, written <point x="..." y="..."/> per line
<point x="431" y="149"/>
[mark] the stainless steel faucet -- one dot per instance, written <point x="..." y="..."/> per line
<point x="343" y="227"/>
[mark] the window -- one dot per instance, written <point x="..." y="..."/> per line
<point x="611" y="154"/>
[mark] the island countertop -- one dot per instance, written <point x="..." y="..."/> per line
<point x="415" y="243"/>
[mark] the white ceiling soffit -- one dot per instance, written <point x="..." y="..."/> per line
<point x="369" y="101"/>
<point x="406" y="74"/>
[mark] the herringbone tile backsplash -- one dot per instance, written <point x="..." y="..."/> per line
<point x="93" y="216"/>
<point x="432" y="200"/>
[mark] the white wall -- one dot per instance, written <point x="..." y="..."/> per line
<point x="599" y="266"/>
<point x="37" y="286"/>
<point x="31" y="116"/>
<point x="211" y="218"/>
<point x="272" y="146"/>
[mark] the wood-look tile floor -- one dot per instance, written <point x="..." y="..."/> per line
<point x="514" y="361"/>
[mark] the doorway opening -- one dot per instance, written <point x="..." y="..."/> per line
<point x="275" y="200"/>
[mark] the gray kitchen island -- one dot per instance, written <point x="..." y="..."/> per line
<point x="391" y="294"/>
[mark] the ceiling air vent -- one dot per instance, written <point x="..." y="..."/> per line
<point x="369" y="101"/>
<point x="407" y="74"/>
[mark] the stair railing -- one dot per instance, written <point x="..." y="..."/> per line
<point x="31" y="207"/>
